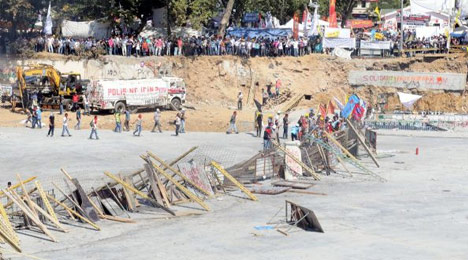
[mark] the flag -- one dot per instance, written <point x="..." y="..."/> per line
<point x="305" y="20"/>
<point x="332" y="15"/>
<point x="296" y="27"/>
<point x="348" y="109"/>
<point x="314" y="24"/>
<point x="331" y="108"/>
<point x="323" y="111"/>
<point x="48" y="23"/>
<point x="359" y="110"/>
<point x="408" y="99"/>
<point x="377" y="11"/>
<point x="338" y="102"/>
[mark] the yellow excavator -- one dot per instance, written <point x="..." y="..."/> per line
<point x="50" y="84"/>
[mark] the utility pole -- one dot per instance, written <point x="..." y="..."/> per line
<point x="401" y="29"/>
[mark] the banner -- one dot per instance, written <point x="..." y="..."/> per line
<point x="251" y="18"/>
<point x="376" y="45"/>
<point x="296" y="27"/>
<point x="409" y="80"/>
<point x="85" y="29"/>
<point x="48" y="23"/>
<point x="357" y="24"/>
<point x="332" y="14"/>
<point x="349" y="43"/>
<point x="315" y="24"/>
<point x="337" y="33"/>
<point x="254" y="32"/>
<point x="342" y="53"/>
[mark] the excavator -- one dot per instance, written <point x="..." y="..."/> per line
<point x="50" y="84"/>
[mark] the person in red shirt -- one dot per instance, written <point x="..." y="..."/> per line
<point x="75" y="99"/>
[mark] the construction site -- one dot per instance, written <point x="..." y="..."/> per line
<point x="389" y="184"/>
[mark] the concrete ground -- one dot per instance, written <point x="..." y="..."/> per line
<point x="419" y="213"/>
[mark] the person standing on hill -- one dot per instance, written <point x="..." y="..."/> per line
<point x="94" y="124"/>
<point x="264" y="97"/>
<point x="277" y="87"/>
<point x="239" y="101"/>
<point x="51" y="125"/>
<point x="157" y="121"/>
<point x="65" y="125"/>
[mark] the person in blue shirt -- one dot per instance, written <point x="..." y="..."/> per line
<point x="294" y="132"/>
<point x="39" y="117"/>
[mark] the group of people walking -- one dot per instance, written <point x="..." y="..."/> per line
<point x="35" y="118"/>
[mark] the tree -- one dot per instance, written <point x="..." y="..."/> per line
<point x="226" y="17"/>
<point x="20" y="13"/>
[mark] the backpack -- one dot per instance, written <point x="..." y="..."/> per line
<point x="91" y="124"/>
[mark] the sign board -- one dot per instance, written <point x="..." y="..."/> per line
<point x="337" y="33"/>
<point x="359" y="23"/>
<point x="409" y="80"/>
<point x="376" y="45"/>
<point x="196" y="173"/>
<point x="349" y="43"/>
<point x="251" y="18"/>
<point x="292" y="169"/>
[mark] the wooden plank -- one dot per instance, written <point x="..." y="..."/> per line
<point x="26" y="195"/>
<point x="363" y="142"/>
<point x="129" y="197"/>
<point x="8" y="225"/>
<point x="154" y="187"/>
<point x="74" y="213"/>
<point x="307" y="192"/>
<point x="137" y="192"/>
<point x="181" y="187"/>
<point x="10" y="203"/>
<point x="269" y="190"/>
<point x="291" y="184"/>
<point x="118" y="219"/>
<point x="233" y="180"/>
<point x="7" y="236"/>
<point x="49" y="217"/>
<point x="181" y="175"/>
<point x="307" y="168"/>
<point x="45" y="200"/>
<point x="15" y="198"/>
<point x="71" y="200"/>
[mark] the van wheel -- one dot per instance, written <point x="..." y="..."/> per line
<point x="120" y="107"/>
<point x="176" y="103"/>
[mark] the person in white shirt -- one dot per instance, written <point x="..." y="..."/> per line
<point x="65" y="125"/>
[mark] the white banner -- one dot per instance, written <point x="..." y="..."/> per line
<point x="85" y="29"/>
<point x="376" y="45"/>
<point x="349" y="43"/>
<point x="135" y="92"/>
<point x="409" y="80"/>
<point x="344" y="54"/>
<point x="428" y="31"/>
<point x="337" y="33"/>
<point x="48" y="23"/>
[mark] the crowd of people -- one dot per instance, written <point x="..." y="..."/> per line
<point x="188" y="46"/>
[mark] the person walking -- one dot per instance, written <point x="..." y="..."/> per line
<point x="34" y="117"/>
<point x="78" y="119"/>
<point x="177" y="123"/>
<point x="39" y="117"/>
<point x="138" y="123"/>
<point x="65" y="125"/>
<point x="61" y="104"/>
<point x="127" y="120"/>
<point x="295" y="132"/>
<point x="86" y="105"/>
<point x="75" y="99"/>
<point x="51" y="125"/>
<point x="259" y="123"/>
<point x="94" y="124"/>
<point x="239" y="101"/>
<point x="182" y="121"/>
<point x="267" y="138"/>
<point x="118" y="124"/>
<point x="285" y="126"/>
<point x="232" y="124"/>
<point x="157" y="121"/>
